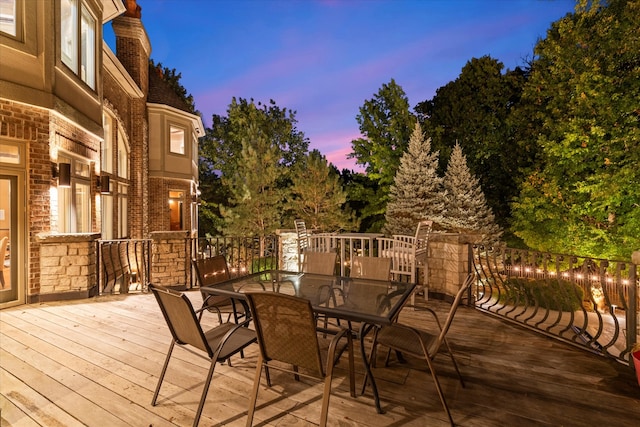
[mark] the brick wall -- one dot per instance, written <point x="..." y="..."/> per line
<point x="30" y="125"/>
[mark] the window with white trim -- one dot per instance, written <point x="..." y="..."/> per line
<point x="78" y="40"/>
<point x="9" y="17"/>
<point x="74" y="202"/>
<point x="123" y="155"/>
<point x="177" y="139"/>
<point x="106" y="154"/>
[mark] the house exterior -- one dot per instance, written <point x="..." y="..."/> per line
<point x="93" y="144"/>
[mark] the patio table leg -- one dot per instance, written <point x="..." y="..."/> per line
<point x="364" y="330"/>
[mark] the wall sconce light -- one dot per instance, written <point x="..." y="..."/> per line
<point x="62" y="171"/>
<point x="103" y="183"/>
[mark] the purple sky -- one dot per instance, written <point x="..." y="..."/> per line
<point x="325" y="58"/>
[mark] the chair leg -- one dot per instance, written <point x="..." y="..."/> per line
<point x="439" y="389"/>
<point x="254" y="392"/>
<point x="352" y="374"/>
<point x="164" y="370"/>
<point x="455" y="364"/>
<point x="325" y="400"/>
<point x="207" y="382"/>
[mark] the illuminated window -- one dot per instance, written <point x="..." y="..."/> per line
<point x="175" y="210"/>
<point x="107" y="146"/>
<point x="123" y="155"/>
<point x="177" y="140"/>
<point x="78" y="40"/>
<point x="9" y="17"/>
<point x="123" y="204"/>
<point x="74" y="202"/>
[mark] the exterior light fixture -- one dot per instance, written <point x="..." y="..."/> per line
<point x="62" y="171"/>
<point x="103" y="183"/>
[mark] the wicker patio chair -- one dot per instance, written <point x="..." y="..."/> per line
<point x="286" y="330"/>
<point x="210" y="271"/>
<point x="219" y="343"/>
<point x="421" y="343"/>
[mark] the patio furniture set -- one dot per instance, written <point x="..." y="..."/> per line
<point x="304" y="322"/>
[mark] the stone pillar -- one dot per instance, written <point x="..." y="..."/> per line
<point x="288" y="250"/>
<point x="448" y="262"/>
<point x="171" y="259"/>
<point x="67" y="266"/>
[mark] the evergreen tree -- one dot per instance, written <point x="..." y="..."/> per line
<point x="317" y="195"/>
<point x="256" y="199"/>
<point x="466" y="206"/>
<point x="417" y="192"/>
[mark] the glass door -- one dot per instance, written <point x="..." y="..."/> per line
<point x="9" y="240"/>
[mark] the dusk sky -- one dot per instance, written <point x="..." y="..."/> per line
<point x="325" y="58"/>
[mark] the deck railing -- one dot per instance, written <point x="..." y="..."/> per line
<point x="587" y="302"/>
<point x="124" y="265"/>
<point x="244" y="255"/>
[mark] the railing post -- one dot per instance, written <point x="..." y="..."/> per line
<point x="632" y="318"/>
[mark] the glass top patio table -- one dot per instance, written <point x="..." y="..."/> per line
<point x="371" y="303"/>
<point x="375" y="302"/>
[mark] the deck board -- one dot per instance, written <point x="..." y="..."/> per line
<point x="96" y="362"/>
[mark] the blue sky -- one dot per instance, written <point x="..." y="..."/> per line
<point x="325" y="58"/>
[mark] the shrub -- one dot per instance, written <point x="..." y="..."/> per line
<point x="552" y="294"/>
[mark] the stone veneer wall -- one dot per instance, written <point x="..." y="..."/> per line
<point x="67" y="266"/>
<point x="288" y="242"/>
<point x="448" y="262"/>
<point x="170" y="259"/>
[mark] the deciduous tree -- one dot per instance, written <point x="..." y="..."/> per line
<point x="584" y="196"/>
<point x="317" y="195"/>
<point x="386" y="124"/>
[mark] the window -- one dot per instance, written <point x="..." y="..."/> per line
<point x="74" y="203"/>
<point x="123" y="155"/>
<point x="106" y="164"/>
<point x="175" y="210"/>
<point x="10" y="153"/>
<point x="123" y="225"/>
<point x="107" y="216"/>
<point x="9" y="17"/>
<point x="78" y="40"/>
<point x="177" y="140"/>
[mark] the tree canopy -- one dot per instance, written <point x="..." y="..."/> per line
<point x="474" y="110"/>
<point x="386" y="123"/>
<point x="252" y="149"/>
<point x="583" y="195"/>
<point x="317" y="195"/>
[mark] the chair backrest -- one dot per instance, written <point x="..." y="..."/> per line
<point x="423" y="230"/>
<point x="3" y="251"/>
<point x="181" y="318"/>
<point x="319" y="262"/>
<point x="464" y="287"/>
<point x="371" y="268"/>
<point x="211" y="270"/>
<point x="303" y="234"/>
<point x="286" y="330"/>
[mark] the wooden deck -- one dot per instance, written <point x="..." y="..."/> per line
<point x="96" y="363"/>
